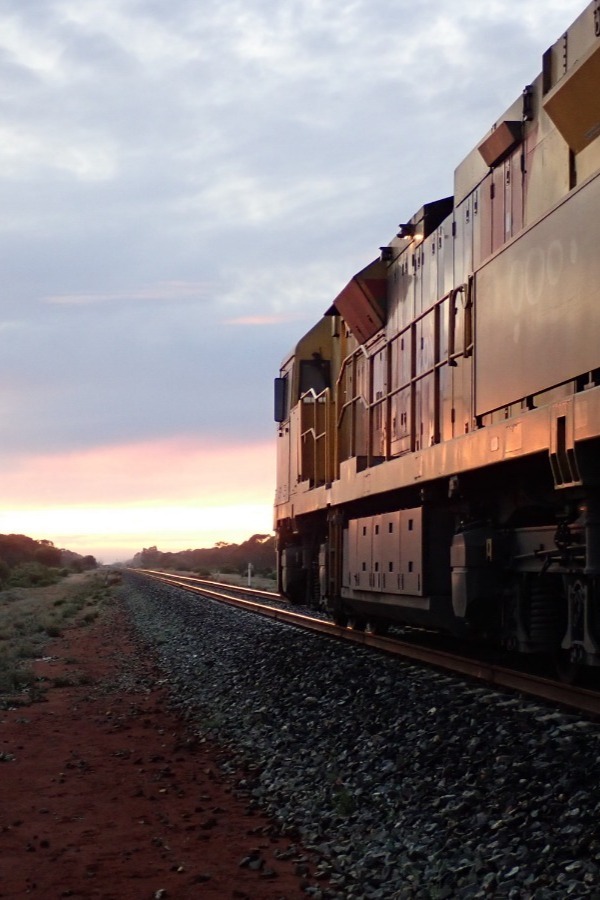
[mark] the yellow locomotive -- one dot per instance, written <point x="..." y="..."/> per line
<point x="439" y="427"/>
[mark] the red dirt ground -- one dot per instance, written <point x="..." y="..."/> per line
<point x="108" y="798"/>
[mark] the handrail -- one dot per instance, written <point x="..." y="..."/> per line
<point x="450" y="358"/>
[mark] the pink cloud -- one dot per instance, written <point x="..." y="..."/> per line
<point x="257" y="320"/>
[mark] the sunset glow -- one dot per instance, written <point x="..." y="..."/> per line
<point x="175" y="494"/>
<point x="117" y="533"/>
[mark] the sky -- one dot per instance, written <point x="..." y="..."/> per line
<point x="185" y="186"/>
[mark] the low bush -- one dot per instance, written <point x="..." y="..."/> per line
<point x="32" y="574"/>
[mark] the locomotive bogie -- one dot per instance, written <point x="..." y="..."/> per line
<point x="439" y="427"/>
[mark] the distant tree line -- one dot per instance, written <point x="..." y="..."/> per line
<point x="259" y="550"/>
<point x="25" y="562"/>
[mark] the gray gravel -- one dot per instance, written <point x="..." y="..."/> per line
<point x="408" y="783"/>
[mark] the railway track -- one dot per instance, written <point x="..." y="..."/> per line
<point x="271" y="605"/>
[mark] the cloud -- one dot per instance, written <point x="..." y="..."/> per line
<point x="165" y="292"/>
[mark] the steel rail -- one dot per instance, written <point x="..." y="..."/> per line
<point x="581" y="699"/>
<point x="201" y="582"/>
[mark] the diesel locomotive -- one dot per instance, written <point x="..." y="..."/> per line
<point x="439" y="428"/>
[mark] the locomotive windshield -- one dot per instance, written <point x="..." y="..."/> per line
<point x="314" y="374"/>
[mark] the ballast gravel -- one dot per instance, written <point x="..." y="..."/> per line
<point x="407" y="782"/>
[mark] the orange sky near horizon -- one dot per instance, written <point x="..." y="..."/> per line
<point x="113" y="501"/>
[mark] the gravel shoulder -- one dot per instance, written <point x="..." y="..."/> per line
<point x="408" y="782"/>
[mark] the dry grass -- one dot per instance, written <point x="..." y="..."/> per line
<point x="30" y="617"/>
<point x="259" y="582"/>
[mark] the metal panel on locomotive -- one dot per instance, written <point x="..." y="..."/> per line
<point x="439" y="427"/>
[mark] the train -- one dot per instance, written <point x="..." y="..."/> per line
<point x="438" y="429"/>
